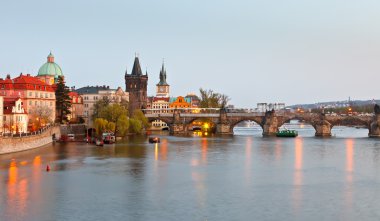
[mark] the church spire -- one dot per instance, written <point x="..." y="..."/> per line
<point x="163" y="76"/>
<point x="136" y="70"/>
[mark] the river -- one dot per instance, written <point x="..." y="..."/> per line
<point x="241" y="177"/>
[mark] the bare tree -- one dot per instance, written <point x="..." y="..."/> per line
<point x="41" y="115"/>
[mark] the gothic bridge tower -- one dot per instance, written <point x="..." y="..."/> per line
<point x="136" y="85"/>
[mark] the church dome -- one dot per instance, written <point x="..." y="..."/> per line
<point x="50" y="68"/>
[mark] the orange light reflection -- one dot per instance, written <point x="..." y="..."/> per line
<point x="298" y="179"/>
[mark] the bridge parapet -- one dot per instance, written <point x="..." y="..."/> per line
<point x="254" y="114"/>
<point x="200" y="115"/>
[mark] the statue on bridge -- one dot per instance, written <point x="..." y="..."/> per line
<point x="377" y="109"/>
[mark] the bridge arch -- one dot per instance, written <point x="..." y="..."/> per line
<point x="350" y="126"/>
<point x="256" y="120"/>
<point x="190" y="121"/>
<point x="305" y="120"/>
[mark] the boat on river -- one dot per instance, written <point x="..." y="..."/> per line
<point x="287" y="133"/>
<point x="154" y="140"/>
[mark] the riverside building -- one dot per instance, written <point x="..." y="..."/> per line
<point x="33" y="92"/>
<point x="92" y="94"/>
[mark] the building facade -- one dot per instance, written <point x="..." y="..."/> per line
<point x="77" y="108"/>
<point x="15" y="119"/>
<point x="136" y="85"/>
<point x="263" y="107"/>
<point x="180" y="102"/>
<point x="33" y="92"/>
<point x="92" y="94"/>
<point x="1" y="115"/>
<point x="194" y="100"/>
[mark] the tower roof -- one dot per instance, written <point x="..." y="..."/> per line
<point x="50" y="68"/>
<point x="136" y="67"/>
<point x="163" y="76"/>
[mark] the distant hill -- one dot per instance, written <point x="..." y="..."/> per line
<point x="333" y="104"/>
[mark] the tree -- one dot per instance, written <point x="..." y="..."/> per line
<point x="211" y="99"/>
<point x="63" y="101"/>
<point x="40" y="115"/>
<point x="135" y="126"/>
<point x="111" y="126"/>
<point x="122" y="126"/>
<point x="112" y="113"/>
<point x="99" y="106"/>
<point x="139" y="115"/>
<point x="100" y="125"/>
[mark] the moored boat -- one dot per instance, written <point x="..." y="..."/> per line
<point x="287" y="133"/>
<point x="99" y="142"/>
<point x="154" y="139"/>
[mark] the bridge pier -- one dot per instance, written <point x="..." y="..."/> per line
<point x="178" y="129"/>
<point x="271" y="122"/>
<point x="223" y="129"/>
<point x="374" y="129"/>
<point x="323" y="129"/>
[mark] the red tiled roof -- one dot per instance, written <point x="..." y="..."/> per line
<point x="9" y="103"/>
<point x="73" y="94"/>
<point x="25" y="82"/>
<point x="160" y="99"/>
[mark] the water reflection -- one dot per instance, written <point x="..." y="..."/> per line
<point x="298" y="179"/>
<point x="17" y="191"/>
<point x="204" y="147"/>
<point x="348" y="198"/>
<point x="248" y="160"/>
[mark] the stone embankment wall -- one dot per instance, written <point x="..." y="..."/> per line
<point x="15" y="144"/>
<point x="77" y="129"/>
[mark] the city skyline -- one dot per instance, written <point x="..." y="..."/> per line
<point x="293" y="53"/>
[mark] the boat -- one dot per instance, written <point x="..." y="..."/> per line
<point x="99" y="142"/>
<point x="108" y="138"/>
<point x="287" y="133"/>
<point x="154" y="139"/>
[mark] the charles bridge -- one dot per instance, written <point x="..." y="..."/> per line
<point x="179" y="120"/>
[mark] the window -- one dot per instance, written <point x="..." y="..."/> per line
<point x="30" y="94"/>
<point x="51" y="103"/>
<point x="30" y="102"/>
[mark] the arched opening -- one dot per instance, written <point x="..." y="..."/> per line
<point x="304" y="128"/>
<point x="350" y="127"/>
<point x="159" y="125"/>
<point x="247" y="127"/>
<point x="201" y="126"/>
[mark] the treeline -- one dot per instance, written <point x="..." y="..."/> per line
<point x="345" y="110"/>
<point x="211" y="99"/>
<point x="115" y="118"/>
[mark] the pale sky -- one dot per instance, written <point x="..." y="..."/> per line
<point x="292" y="51"/>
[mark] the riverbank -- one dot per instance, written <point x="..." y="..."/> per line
<point x="16" y="144"/>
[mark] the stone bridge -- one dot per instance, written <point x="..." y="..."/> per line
<point x="179" y="121"/>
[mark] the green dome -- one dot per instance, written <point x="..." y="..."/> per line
<point x="50" y="68"/>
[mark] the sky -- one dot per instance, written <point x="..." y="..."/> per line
<point x="292" y="51"/>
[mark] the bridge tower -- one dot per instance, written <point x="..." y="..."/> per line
<point x="136" y="85"/>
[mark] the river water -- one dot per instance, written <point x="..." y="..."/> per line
<point x="241" y="177"/>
